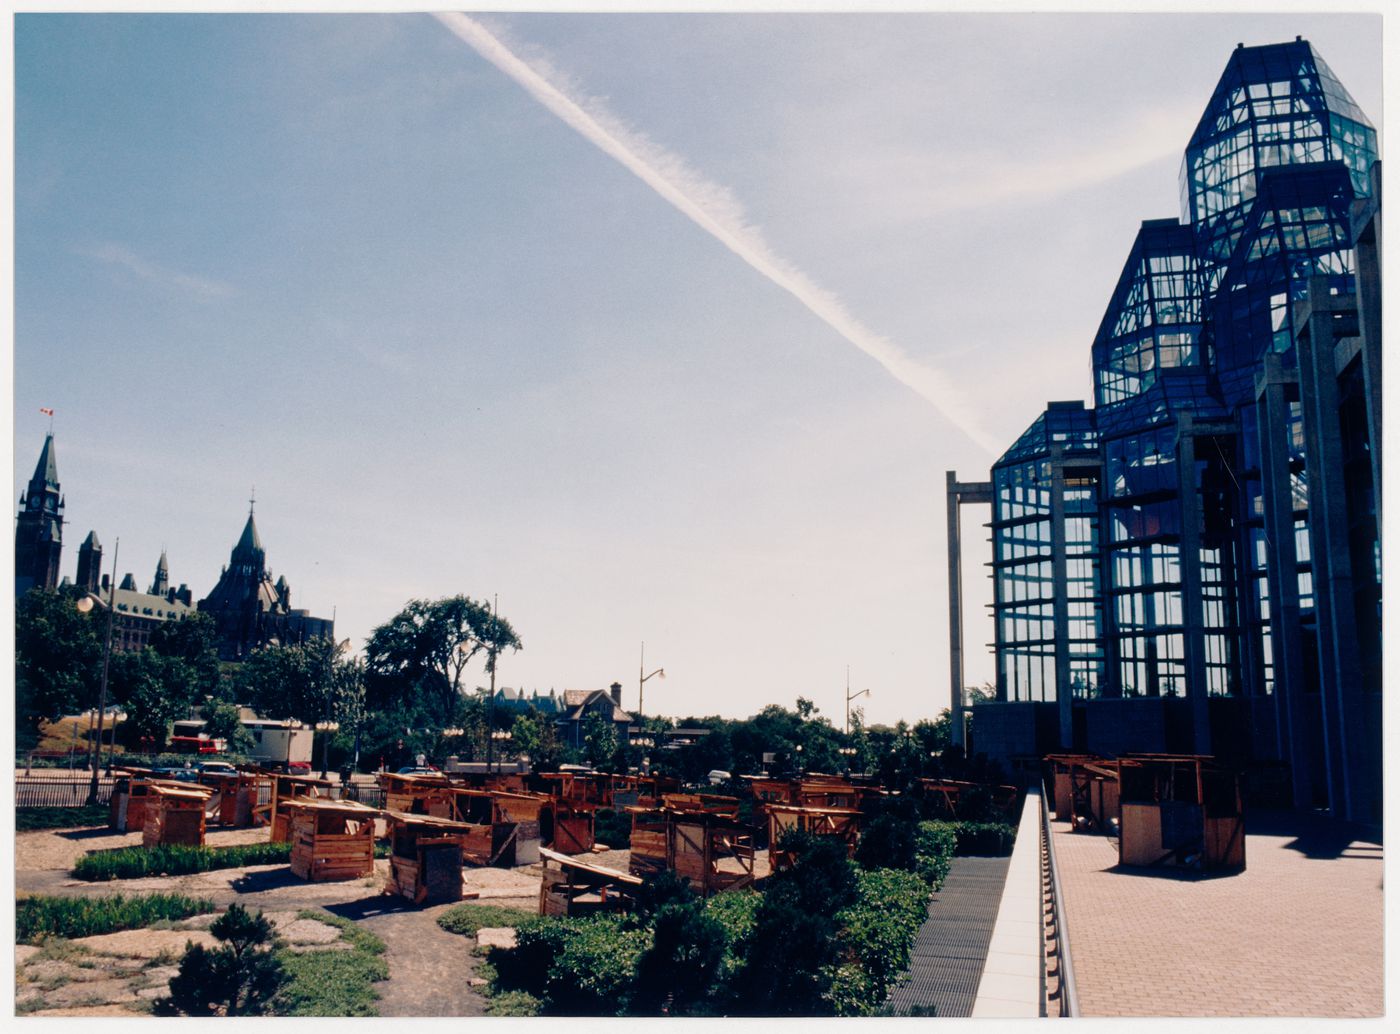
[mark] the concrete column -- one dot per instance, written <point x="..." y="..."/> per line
<point x="1366" y="232"/>
<point x="1191" y="615"/>
<point x="1059" y="574"/>
<point x="1349" y="755"/>
<point x="1290" y="680"/>
<point x="957" y="494"/>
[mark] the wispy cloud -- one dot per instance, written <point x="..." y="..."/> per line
<point x="123" y="257"/>
<point x="715" y="210"/>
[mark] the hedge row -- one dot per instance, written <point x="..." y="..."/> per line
<point x="125" y="863"/>
<point x="39" y="917"/>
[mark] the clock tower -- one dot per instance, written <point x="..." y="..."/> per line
<point x="39" y="527"/>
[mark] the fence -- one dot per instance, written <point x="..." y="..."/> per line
<point x="59" y="793"/>
<point x="1058" y="990"/>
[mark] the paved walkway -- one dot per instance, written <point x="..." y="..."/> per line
<point x="951" y="947"/>
<point x="1298" y="933"/>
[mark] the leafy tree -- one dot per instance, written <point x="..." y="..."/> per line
<point x="238" y="978"/>
<point x="793" y="974"/>
<point x="676" y="973"/>
<point x="888" y="843"/>
<point x="424" y="650"/>
<point x="311" y="682"/>
<point x="221" y="722"/>
<point x="154" y="690"/>
<point x="533" y="735"/>
<point x="58" y="656"/>
<point x="600" y="739"/>
<point x="194" y="640"/>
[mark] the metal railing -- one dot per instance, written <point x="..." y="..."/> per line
<point x="1066" y="995"/>
<point x="59" y="793"/>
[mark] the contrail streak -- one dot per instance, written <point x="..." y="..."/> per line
<point x="712" y="209"/>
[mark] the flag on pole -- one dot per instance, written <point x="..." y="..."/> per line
<point x="46" y="412"/>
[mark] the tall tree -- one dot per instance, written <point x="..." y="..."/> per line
<point x="423" y="651"/>
<point x="154" y="691"/>
<point x="58" y="657"/>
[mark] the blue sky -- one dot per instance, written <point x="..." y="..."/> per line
<point x="458" y="348"/>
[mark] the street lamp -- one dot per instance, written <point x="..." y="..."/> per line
<point x="111" y="606"/>
<point x="642" y="679"/>
<point x="849" y="697"/>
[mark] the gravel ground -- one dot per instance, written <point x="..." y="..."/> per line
<point x="61" y="848"/>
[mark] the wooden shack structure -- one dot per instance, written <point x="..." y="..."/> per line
<point x="331" y="840"/>
<point x="419" y="794"/>
<point x="640" y="790"/>
<point x="1092" y="785"/>
<point x="570" y="887"/>
<point x="827" y="792"/>
<point x="573" y="827"/>
<point x="425" y="857"/>
<point x="772" y="791"/>
<point x="580" y="787"/>
<point x="1061" y="782"/>
<point x="712" y="850"/>
<point x="1179" y="810"/>
<point x="713" y="804"/>
<point x="286" y="790"/>
<point x="174" y="814"/>
<point x="843" y="823"/>
<point x="127" y="805"/>
<point x="532" y="815"/>
<point x="493" y="837"/>
<point x="945" y="797"/>
<point x="237" y="795"/>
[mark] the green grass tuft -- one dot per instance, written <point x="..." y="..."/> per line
<point x="333" y="983"/>
<point x="126" y="863"/>
<point x="37" y="918"/>
<point x="468" y="919"/>
<point x="28" y="819"/>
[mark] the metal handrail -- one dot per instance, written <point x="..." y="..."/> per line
<point x="1069" y="994"/>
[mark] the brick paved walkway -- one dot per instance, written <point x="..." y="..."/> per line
<point x="1298" y="933"/>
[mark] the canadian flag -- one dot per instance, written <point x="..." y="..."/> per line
<point x="46" y="412"/>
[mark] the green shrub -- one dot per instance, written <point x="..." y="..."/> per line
<point x="59" y="818"/>
<point x="125" y="863"/>
<point x="594" y="973"/>
<point x="468" y="919"/>
<point x="676" y="973"/>
<point x="613" y="828"/>
<point x="238" y="978"/>
<point x="877" y="933"/>
<point x="984" y="838"/>
<point x="888" y="843"/>
<point x="936" y="842"/>
<point x="514" y="1003"/>
<point x="538" y="941"/>
<point x="40" y="917"/>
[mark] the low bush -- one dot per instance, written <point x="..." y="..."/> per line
<point x="468" y="919"/>
<point x="333" y="982"/>
<point x="612" y="828"/>
<point x="514" y="1003"/>
<point x="889" y="842"/>
<point x="27" y="819"/>
<point x="594" y="973"/>
<point x="984" y="838"/>
<point x="40" y="917"/>
<point x="936" y="844"/>
<point x="878" y="934"/>
<point x="125" y="863"/>
<point x="238" y="978"/>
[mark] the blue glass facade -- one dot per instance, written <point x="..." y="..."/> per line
<point x="1165" y="544"/>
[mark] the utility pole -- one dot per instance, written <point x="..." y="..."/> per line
<point x="491" y="702"/>
<point x="106" y="665"/>
<point x="849" y="697"/>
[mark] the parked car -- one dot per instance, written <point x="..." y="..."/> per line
<point x="298" y="768"/>
<point x="418" y="770"/>
<point x="220" y="767"/>
<point x="718" y="776"/>
<point x="184" y="775"/>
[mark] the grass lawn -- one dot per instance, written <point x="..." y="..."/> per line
<point x="27" y="819"/>
<point x="333" y="983"/>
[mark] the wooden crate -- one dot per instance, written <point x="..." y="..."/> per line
<point x="175" y="815"/>
<point x="573" y="887"/>
<point x="426" y="856"/>
<point x="331" y="840"/>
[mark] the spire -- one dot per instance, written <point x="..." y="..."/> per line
<point x="162" y="578"/>
<point x="249" y="549"/>
<point x="46" y="472"/>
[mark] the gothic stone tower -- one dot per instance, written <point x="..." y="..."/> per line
<point x="39" y="527"/>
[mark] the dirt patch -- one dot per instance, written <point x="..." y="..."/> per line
<point x="144" y="944"/>
<point x="61" y="848"/>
